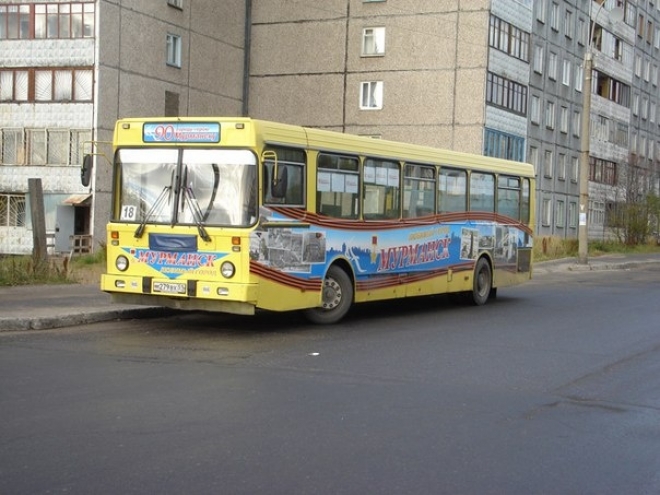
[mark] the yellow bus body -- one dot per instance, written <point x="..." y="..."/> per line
<point x="194" y="277"/>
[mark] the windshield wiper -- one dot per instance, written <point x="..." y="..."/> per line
<point x="140" y="230"/>
<point x="192" y="203"/>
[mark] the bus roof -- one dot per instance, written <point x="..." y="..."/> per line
<point x="324" y="140"/>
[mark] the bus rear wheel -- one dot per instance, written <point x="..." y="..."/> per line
<point x="482" y="283"/>
<point x="336" y="299"/>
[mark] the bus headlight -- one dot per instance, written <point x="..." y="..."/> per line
<point x="121" y="263"/>
<point x="227" y="269"/>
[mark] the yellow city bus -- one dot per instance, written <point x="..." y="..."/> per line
<point x="236" y="214"/>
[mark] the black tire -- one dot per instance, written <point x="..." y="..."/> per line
<point x="482" y="282"/>
<point x="337" y="298"/>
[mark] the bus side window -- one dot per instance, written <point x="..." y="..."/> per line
<point x="508" y="196"/>
<point x="287" y="188"/>
<point x="337" y="187"/>
<point x="418" y="191"/>
<point x="482" y="192"/>
<point x="382" y="198"/>
<point x="452" y="190"/>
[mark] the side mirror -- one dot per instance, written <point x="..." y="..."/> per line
<point x="86" y="170"/>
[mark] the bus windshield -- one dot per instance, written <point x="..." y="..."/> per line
<point x="187" y="186"/>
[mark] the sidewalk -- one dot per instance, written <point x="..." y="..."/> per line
<point x="41" y="307"/>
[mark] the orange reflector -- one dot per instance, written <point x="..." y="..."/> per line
<point x="235" y="241"/>
<point x="114" y="234"/>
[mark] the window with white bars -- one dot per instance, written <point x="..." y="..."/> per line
<point x="43" y="146"/>
<point x="46" y="85"/>
<point x="12" y="210"/>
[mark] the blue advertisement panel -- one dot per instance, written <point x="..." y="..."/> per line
<point x="177" y="132"/>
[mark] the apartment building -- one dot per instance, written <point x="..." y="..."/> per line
<point x="69" y="69"/>
<point x="500" y="77"/>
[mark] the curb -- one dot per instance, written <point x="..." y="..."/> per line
<point x="67" y="320"/>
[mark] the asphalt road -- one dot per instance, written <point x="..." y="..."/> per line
<point x="552" y="389"/>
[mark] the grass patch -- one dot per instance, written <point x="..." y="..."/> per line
<point x="552" y="248"/>
<point x="23" y="270"/>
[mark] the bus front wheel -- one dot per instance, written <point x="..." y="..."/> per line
<point x="482" y="283"/>
<point x="336" y="299"/>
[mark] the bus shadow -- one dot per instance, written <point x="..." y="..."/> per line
<point x="265" y="323"/>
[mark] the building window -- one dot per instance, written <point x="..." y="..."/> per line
<point x="373" y="41"/>
<point x="43" y="146"/>
<point x="47" y="20"/>
<point x="552" y="66"/>
<point x="602" y="171"/>
<point x="504" y="145"/>
<point x="171" y="104"/>
<point x="534" y="158"/>
<point x="173" y="50"/>
<point x="535" y="110"/>
<point x="550" y="114"/>
<point x="559" y="213"/>
<point x="46" y="85"/>
<point x="554" y="16"/>
<point x="561" y="167"/>
<point x="579" y="78"/>
<point x="568" y="24"/>
<point x="504" y="93"/>
<point x="548" y="165"/>
<point x="576" y="123"/>
<point x="508" y="38"/>
<point x="566" y="73"/>
<point x="572" y="214"/>
<point x="582" y="34"/>
<point x="575" y="169"/>
<point x="541" y="6"/>
<point x="538" y="59"/>
<point x="12" y="210"/>
<point x="546" y="213"/>
<point x="14" y="85"/>
<point x="371" y="95"/>
<point x="175" y="3"/>
<point x="610" y="88"/>
<point x="563" y="120"/>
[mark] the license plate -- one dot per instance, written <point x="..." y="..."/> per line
<point x="169" y="288"/>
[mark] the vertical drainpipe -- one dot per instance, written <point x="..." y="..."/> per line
<point x="346" y="46"/>
<point x="246" y="56"/>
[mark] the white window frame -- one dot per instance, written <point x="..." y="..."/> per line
<point x="568" y="24"/>
<point x="577" y="123"/>
<point x="560" y="213"/>
<point x="548" y="163"/>
<point x="550" y="114"/>
<point x="552" y="66"/>
<point x="554" y="16"/>
<point x="546" y="213"/>
<point x="12" y="210"/>
<point x="579" y="78"/>
<point x="535" y="110"/>
<point x="575" y="169"/>
<point x="539" y="51"/>
<point x="371" y="95"/>
<point x="563" y="120"/>
<point x="373" y="42"/>
<point x="173" y="50"/>
<point x="566" y="73"/>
